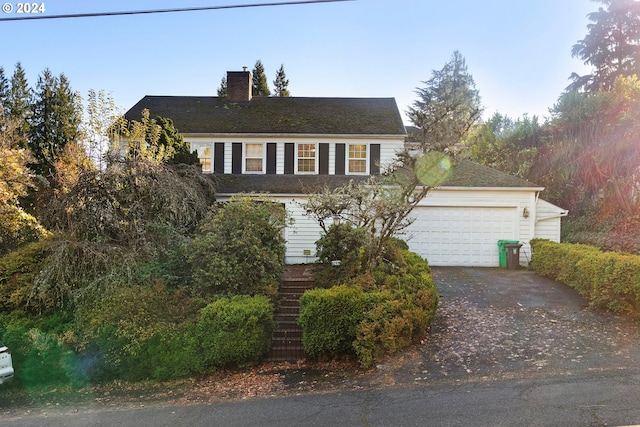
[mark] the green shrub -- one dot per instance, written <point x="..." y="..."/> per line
<point x="607" y="279"/>
<point x="121" y="327"/>
<point x="17" y="271"/>
<point x="235" y="331"/>
<point x="40" y="358"/>
<point x="240" y="249"/>
<point x="17" y="228"/>
<point x="343" y="243"/>
<point x="375" y="314"/>
<point x="404" y="312"/>
<point x="329" y="318"/>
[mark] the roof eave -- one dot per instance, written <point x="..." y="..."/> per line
<point x="466" y="188"/>
<point x="292" y="135"/>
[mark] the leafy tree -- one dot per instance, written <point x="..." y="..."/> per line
<point x="448" y="106"/>
<point x="381" y="205"/>
<point x="281" y="83"/>
<point x="610" y="47"/>
<point x="507" y="145"/>
<point x="55" y="123"/>
<point x="240" y="248"/>
<point x="222" y="90"/>
<point x="260" y="86"/>
<point x="593" y="160"/>
<point x="16" y="179"/>
<point x="19" y="104"/>
<point x="156" y="140"/>
<point x="101" y="113"/>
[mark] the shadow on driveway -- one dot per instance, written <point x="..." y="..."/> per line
<point x="502" y="324"/>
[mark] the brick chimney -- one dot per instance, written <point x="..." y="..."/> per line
<point x="239" y="85"/>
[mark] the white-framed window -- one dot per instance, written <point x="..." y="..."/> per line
<point x="306" y="158"/>
<point x="357" y="158"/>
<point x="254" y="158"/>
<point x="204" y="155"/>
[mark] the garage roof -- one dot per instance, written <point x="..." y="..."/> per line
<point x="469" y="174"/>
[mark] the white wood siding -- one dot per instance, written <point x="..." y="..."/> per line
<point x="389" y="147"/>
<point x="548" y="220"/>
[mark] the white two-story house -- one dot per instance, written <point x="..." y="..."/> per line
<point x="289" y="146"/>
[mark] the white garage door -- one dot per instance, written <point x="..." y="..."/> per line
<point x="461" y="236"/>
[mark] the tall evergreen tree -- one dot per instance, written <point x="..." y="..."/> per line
<point x="281" y="83"/>
<point x="447" y="107"/>
<point x="610" y="47"/>
<point x="5" y="92"/>
<point x="19" y="104"/>
<point x="260" y="86"/>
<point x="56" y="121"/>
<point x="222" y="90"/>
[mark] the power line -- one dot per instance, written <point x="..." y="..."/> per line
<point x="148" y="12"/>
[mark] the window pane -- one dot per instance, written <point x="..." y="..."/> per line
<point x="306" y="150"/>
<point x="306" y="165"/>
<point x="358" y="151"/>
<point x="254" y="165"/>
<point x="357" y="165"/>
<point x="206" y="164"/>
<point x="254" y="150"/>
<point x="306" y="157"/>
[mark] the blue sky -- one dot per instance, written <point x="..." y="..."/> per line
<point x="518" y="51"/>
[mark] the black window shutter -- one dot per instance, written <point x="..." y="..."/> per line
<point x="340" y="159"/>
<point x="289" y="152"/>
<point x="323" y="161"/>
<point x="236" y="158"/>
<point x="218" y="161"/>
<point x="374" y="159"/>
<point x="271" y="158"/>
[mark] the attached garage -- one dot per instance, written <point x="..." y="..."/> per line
<point x="460" y="222"/>
<point x="462" y="235"/>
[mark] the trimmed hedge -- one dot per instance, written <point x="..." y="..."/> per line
<point x="235" y="331"/>
<point x="370" y="318"/>
<point x="609" y="280"/>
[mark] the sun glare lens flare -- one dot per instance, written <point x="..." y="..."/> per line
<point x="433" y="168"/>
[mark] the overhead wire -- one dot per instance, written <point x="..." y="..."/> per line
<point x="174" y="10"/>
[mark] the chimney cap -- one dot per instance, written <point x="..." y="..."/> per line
<point x="244" y="68"/>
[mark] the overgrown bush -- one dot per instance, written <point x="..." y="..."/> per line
<point x="342" y="244"/>
<point x="17" y="228"/>
<point x="240" y="248"/>
<point x="406" y="307"/>
<point x="40" y="355"/>
<point x="17" y="271"/>
<point x="235" y="331"/>
<point x="607" y="279"/>
<point x="373" y="314"/>
<point x="120" y="330"/>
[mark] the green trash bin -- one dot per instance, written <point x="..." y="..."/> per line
<point x="503" y="251"/>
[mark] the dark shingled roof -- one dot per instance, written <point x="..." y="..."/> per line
<point x="464" y="174"/>
<point x="281" y="184"/>
<point x="275" y="115"/>
<point x="469" y="174"/>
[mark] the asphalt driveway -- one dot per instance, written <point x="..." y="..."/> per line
<point x="505" y="324"/>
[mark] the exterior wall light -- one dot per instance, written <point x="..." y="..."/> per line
<point x="336" y="219"/>
<point x="525" y="212"/>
